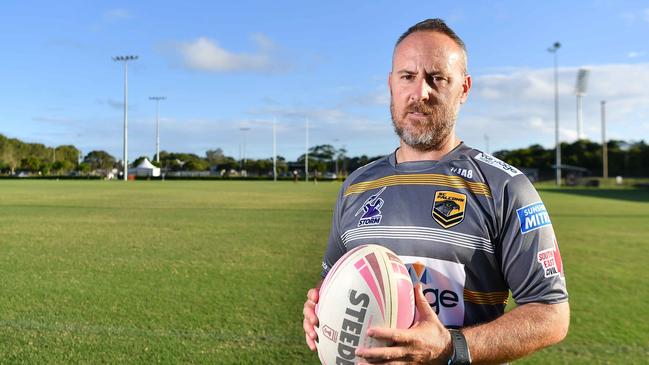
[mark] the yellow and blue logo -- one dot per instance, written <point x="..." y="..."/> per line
<point x="532" y="217"/>
<point x="448" y="208"/>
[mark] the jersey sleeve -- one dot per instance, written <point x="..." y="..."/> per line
<point x="529" y="253"/>
<point x="335" y="247"/>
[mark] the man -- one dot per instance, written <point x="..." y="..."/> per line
<point x="469" y="227"/>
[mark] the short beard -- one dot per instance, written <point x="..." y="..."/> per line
<point x="429" y="135"/>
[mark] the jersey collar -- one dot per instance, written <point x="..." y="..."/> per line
<point x="417" y="166"/>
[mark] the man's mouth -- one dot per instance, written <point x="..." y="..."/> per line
<point x="417" y="115"/>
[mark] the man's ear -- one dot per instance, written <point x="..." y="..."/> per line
<point x="466" y="86"/>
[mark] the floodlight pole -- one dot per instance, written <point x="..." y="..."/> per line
<point x="336" y="160"/>
<point x="157" y="125"/>
<point x="306" y="153"/>
<point x="555" y="47"/>
<point x="604" y="145"/>
<point x="274" y="150"/>
<point x="243" y="155"/>
<point x="125" y="59"/>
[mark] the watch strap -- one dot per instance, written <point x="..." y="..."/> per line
<point x="461" y="355"/>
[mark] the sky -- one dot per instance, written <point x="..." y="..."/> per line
<point x="229" y="69"/>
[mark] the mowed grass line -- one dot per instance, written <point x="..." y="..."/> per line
<point x="216" y="272"/>
<point x="150" y="272"/>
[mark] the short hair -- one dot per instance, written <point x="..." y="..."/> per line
<point x="435" y="25"/>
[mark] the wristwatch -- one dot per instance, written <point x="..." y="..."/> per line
<point x="461" y="355"/>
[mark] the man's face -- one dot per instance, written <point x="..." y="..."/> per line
<point x="427" y="85"/>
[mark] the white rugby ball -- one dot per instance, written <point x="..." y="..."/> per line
<point x="368" y="287"/>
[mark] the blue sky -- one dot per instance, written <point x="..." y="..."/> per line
<point x="228" y="65"/>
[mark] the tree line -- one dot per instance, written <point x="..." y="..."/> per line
<point x="630" y="159"/>
<point x="626" y="159"/>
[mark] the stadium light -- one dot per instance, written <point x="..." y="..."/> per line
<point x="555" y="47"/>
<point x="604" y="145"/>
<point x="580" y="91"/>
<point x="157" y="125"/>
<point x="243" y="155"/>
<point x="274" y="150"/>
<point x="125" y="60"/>
<point x="306" y="153"/>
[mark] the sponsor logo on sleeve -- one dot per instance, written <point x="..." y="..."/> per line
<point x="443" y="286"/>
<point x="448" y="208"/>
<point x="490" y="160"/>
<point x="533" y="216"/>
<point x="371" y="210"/>
<point x="550" y="261"/>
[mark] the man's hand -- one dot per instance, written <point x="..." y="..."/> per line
<point x="426" y="342"/>
<point x="310" y="318"/>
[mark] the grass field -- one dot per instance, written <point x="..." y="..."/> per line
<point x="216" y="272"/>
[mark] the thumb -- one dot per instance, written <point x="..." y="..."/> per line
<point x="424" y="311"/>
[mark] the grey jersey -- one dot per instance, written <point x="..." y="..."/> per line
<point x="469" y="227"/>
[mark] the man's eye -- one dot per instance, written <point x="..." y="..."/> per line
<point x="438" y="79"/>
<point x="407" y="77"/>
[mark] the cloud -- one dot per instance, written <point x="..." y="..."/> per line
<point x="116" y="15"/>
<point x="54" y="120"/>
<point x="204" y="54"/>
<point x="515" y="107"/>
<point x="631" y="18"/>
<point x="378" y="97"/>
<point x="293" y="113"/>
<point x="114" y="104"/>
<point x="634" y="54"/>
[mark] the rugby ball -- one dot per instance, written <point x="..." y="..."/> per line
<point x="368" y="287"/>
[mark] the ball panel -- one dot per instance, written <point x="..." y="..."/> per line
<point x="365" y="288"/>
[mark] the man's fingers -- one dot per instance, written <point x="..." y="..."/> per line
<point x="311" y="318"/>
<point x="423" y="308"/>
<point x="308" y="329"/>
<point x="382" y="355"/>
<point x="310" y="342"/>
<point x="313" y="295"/>
<point x="389" y="335"/>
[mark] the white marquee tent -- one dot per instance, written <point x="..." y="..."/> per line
<point x="145" y="168"/>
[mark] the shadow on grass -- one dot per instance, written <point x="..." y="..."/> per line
<point x="636" y="195"/>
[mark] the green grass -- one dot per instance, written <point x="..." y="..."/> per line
<point x="216" y="272"/>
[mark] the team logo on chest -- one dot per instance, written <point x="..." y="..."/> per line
<point x="448" y="208"/>
<point x="371" y="210"/>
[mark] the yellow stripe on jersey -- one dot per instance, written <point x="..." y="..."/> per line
<point x="420" y="179"/>
<point x="492" y="298"/>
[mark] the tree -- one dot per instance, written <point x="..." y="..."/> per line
<point x="99" y="160"/>
<point x="215" y="157"/>
<point x="321" y="158"/>
<point x="31" y="163"/>
<point x="62" y="166"/>
<point x="84" y="168"/>
<point x="67" y="153"/>
<point x="196" y="165"/>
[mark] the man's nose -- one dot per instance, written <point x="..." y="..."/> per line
<point x="422" y="90"/>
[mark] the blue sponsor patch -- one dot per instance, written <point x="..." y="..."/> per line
<point x="533" y="216"/>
